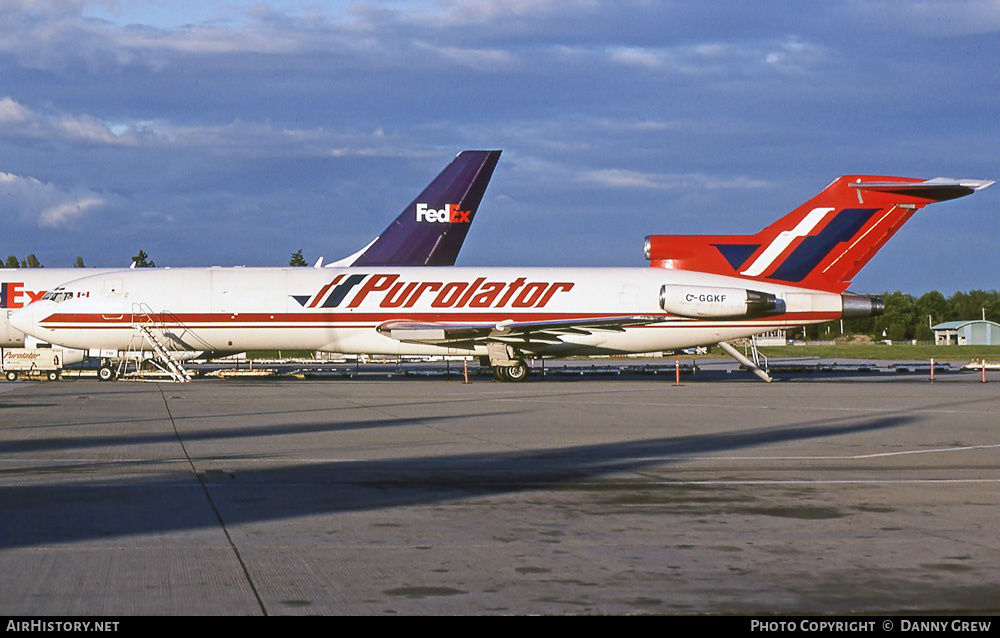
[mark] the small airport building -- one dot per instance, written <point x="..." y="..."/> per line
<point x="975" y="332"/>
<point x="772" y="338"/>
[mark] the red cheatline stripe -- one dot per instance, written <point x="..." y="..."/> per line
<point x="361" y="320"/>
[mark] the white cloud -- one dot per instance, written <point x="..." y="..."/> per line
<point x="618" y="179"/>
<point x="637" y="56"/>
<point x="63" y="213"/>
<point x="466" y="12"/>
<point x="156" y="217"/>
<point x="55" y="36"/>
<point x="479" y="59"/>
<point x="717" y="58"/>
<point x="12" y="113"/>
<point x="16" y="120"/>
<point x="48" y="205"/>
<point x="237" y="139"/>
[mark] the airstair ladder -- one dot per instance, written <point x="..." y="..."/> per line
<point x="167" y="362"/>
<point x="750" y="365"/>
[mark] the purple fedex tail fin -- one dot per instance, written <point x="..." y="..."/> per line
<point x="431" y="230"/>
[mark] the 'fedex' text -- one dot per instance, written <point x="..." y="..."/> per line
<point x="13" y="295"/>
<point x="449" y="213"/>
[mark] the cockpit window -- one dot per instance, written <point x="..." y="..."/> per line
<point x="58" y="295"/>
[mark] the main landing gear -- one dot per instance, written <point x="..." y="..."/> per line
<point x="508" y="363"/>
<point x="516" y="372"/>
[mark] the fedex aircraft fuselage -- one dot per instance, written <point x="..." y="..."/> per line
<point x="396" y="311"/>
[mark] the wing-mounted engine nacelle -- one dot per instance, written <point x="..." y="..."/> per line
<point x="702" y="302"/>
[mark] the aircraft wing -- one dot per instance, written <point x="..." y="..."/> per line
<point x="507" y="331"/>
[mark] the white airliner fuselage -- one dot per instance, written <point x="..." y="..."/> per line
<point x="416" y="310"/>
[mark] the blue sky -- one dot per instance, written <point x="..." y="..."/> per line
<point x="238" y="132"/>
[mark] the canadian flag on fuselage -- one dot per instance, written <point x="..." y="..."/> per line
<point x="823" y="243"/>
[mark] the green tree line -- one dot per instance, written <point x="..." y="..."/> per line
<point x="141" y="260"/>
<point x="31" y="261"/>
<point x="28" y="262"/>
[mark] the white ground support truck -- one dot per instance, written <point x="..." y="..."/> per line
<point x="32" y="362"/>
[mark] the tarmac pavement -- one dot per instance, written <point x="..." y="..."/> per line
<point x="814" y="494"/>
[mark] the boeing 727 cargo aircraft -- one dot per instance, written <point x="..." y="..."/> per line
<point x="700" y="290"/>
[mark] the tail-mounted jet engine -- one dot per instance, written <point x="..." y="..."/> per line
<point x="860" y="306"/>
<point x="703" y="302"/>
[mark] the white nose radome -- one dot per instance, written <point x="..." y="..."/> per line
<point x="26" y="319"/>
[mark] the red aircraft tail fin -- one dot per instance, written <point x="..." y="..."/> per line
<point x="823" y="243"/>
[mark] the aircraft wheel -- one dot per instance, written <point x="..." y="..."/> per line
<point x="500" y="373"/>
<point x="11" y="376"/>
<point x="517" y="372"/>
<point x="106" y="373"/>
<point x="52" y="375"/>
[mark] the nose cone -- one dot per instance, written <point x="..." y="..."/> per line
<point x="26" y="319"/>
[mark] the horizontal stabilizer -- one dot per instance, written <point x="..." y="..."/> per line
<point x="938" y="189"/>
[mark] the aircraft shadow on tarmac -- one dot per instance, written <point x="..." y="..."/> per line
<point x="23" y="446"/>
<point x="73" y="510"/>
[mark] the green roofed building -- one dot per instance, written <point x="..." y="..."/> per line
<point x="975" y="332"/>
